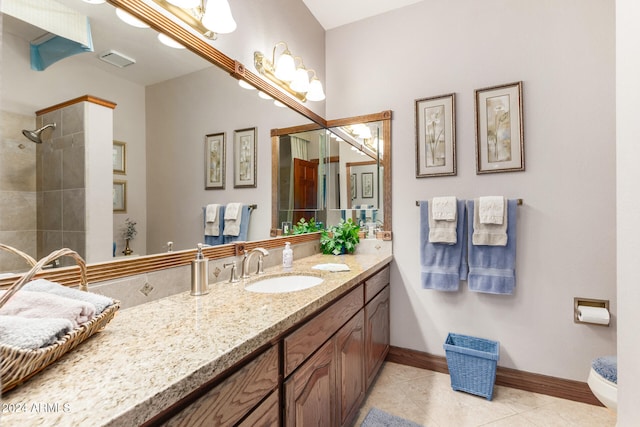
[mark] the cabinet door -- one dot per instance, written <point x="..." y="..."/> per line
<point x="376" y="333"/>
<point x="350" y="379"/>
<point x="267" y="414"/>
<point x="310" y="398"/>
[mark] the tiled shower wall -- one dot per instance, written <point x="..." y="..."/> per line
<point x="17" y="190"/>
<point x="61" y="183"/>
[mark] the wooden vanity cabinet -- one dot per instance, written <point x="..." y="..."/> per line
<point x="350" y="368"/>
<point x="235" y="397"/>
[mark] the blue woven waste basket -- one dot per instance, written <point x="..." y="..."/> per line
<point x="472" y="363"/>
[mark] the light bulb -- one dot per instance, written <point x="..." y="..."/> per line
<point x="285" y="67"/>
<point x="185" y="4"/>
<point x="300" y="82"/>
<point x="217" y="17"/>
<point x="316" y="93"/>
<point x="130" y="19"/>
<point x="168" y="41"/>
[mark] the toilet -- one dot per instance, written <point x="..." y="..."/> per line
<point x="603" y="380"/>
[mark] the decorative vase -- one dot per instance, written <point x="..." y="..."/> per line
<point x="127" y="249"/>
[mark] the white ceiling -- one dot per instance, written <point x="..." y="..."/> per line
<point x="155" y="62"/>
<point x="334" y="13"/>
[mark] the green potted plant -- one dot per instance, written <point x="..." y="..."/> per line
<point x="303" y="226"/>
<point x="341" y="238"/>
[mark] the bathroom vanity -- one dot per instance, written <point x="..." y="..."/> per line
<point x="228" y="357"/>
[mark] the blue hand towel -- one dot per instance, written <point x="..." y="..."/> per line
<point x="442" y="265"/>
<point x="244" y="227"/>
<point x="219" y="239"/>
<point x="492" y="269"/>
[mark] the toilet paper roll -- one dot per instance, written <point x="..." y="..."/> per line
<point x="598" y="315"/>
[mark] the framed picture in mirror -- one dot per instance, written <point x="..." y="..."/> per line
<point x="354" y="186"/>
<point x="499" y="130"/>
<point x="119" y="157"/>
<point x="244" y="158"/>
<point x="214" y="161"/>
<point x="367" y="185"/>
<point x="120" y="196"/>
<point x="436" y="136"/>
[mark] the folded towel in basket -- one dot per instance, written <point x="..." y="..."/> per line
<point x="32" y="333"/>
<point x="42" y="304"/>
<point x="442" y="265"/>
<point x="101" y="302"/>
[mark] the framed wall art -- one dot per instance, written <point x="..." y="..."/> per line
<point x="499" y="129"/>
<point x="120" y="196"/>
<point x="214" y="161"/>
<point x="244" y="158"/>
<point x="354" y="186"/>
<point x="367" y="185"/>
<point x="119" y="157"/>
<point x="436" y="136"/>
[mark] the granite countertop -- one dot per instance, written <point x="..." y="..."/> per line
<point x="154" y="354"/>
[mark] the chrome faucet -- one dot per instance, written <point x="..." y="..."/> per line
<point x="247" y="258"/>
<point x="233" y="278"/>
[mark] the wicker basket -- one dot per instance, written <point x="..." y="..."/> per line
<point x="472" y="364"/>
<point x="17" y="364"/>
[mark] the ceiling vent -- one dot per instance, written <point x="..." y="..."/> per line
<point x="116" y="58"/>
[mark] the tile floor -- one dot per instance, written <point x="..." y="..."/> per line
<point x="425" y="397"/>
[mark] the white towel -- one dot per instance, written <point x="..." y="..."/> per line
<point x="42" y="304"/>
<point x="492" y="209"/>
<point x="489" y="234"/>
<point x="32" y="334"/>
<point x="232" y="219"/>
<point x="212" y="220"/>
<point x="442" y="231"/>
<point x="101" y="302"/>
<point x="445" y="208"/>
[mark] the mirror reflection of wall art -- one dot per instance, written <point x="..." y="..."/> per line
<point x="436" y="136"/>
<point x="119" y="157"/>
<point x="367" y="185"/>
<point x="244" y="158"/>
<point x="499" y="129"/>
<point x="354" y="186"/>
<point x="120" y="196"/>
<point x="214" y="161"/>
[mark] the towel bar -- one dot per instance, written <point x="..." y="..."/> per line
<point x="519" y="202"/>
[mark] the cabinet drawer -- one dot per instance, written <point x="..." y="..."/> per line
<point x="375" y="283"/>
<point x="265" y="415"/>
<point x="305" y="340"/>
<point x="232" y="399"/>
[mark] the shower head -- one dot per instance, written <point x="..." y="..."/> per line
<point x="35" y="135"/>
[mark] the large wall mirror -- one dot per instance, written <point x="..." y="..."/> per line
<point x="166" y="104"/>
<point x="333" y="174"/>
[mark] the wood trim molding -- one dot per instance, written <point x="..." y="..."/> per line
<point x="70" y="276"/>
<point x="85" y="98"/>
<point x="552" y="386"/>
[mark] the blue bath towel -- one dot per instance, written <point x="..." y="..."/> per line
<point x="244" y="227"/>
<point x="442" y="265"/>
<point x="492" y="269"/>
<point x="214" y="240"/>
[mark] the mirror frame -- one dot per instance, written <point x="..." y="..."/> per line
<point x="110" y="270"/>
<point x="384" y="117"/>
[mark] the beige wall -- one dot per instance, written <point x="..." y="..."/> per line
<point x="563" y="51"/>
<point x="628" y="208"/>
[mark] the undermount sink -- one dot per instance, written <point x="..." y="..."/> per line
<point x="283" y="284"/>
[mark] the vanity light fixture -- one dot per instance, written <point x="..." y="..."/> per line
<point x="208" y="17"/>
<point x="293" y="79"/>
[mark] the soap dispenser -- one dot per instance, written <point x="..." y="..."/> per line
<point x="287" y="256"/>
<point x="200" y="274"/>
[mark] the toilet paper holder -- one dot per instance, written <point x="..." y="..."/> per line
<point x="589" y="302"/>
